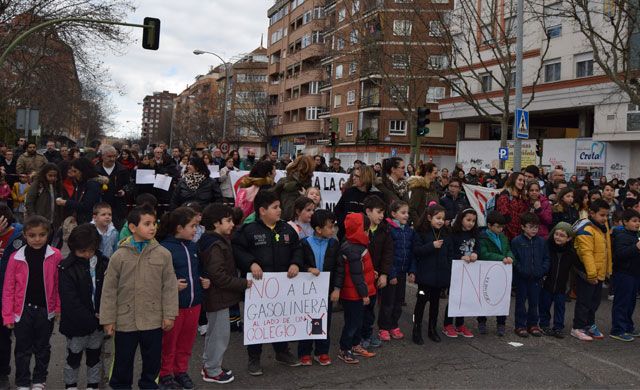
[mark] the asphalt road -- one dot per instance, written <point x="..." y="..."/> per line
<point x="481" y="362"/>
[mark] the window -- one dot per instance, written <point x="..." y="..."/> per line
<point x="314" y="87"/>
<point x="342" y="14"/>
<point x="351" y="98"/>
<point x="435" y="28"/>
<point x="318" y="12"/>
<point x="306" y="41"/>
<point x="296" y="3"/>
<point x="339" y="71"/>
<point x="402" y="27"/>
<point x="485" y="82"/>
<point x="352" y="68"/>
<point x="307" y="17"/>
<point x="434" y="94"/>
<point x="353" y="37"/>
<point x="340" y="44"/>
<point x="439" y="62"/>
<point x="584" y="65"/>
<point x="552" y="71"/>
<point x="400" y="61"/>
<point x="397" y="127"/>
<point x="316" y="37"/>
<point x="633" y="117"/>
<point x="513" y="79"/>
<point x="337" y="101"/>
<point x="312" y="113"/>
<point x="399" y="94"/>
<point x="348" y="128"/>
<point x="355" y="6"/>
<point x="553" y="20"/>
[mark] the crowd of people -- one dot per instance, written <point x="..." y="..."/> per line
<point x="151" y="268"/>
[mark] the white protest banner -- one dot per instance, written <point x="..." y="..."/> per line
<point x="145" y="176"/>
<point x="214" y="171"/>
<point x="162" y="182"/>
<point x="481" y="288"/>
<point x="329" y="184"/>
<point x="478" y="197"/>
<point x="277" y="308"/>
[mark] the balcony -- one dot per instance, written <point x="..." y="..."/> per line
<point x="368" y="136"/>
<point x="325" y="84"/>
<point x="370" y="101"/>
<point x="323" y="113"/>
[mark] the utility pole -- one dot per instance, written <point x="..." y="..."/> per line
<point x="517" y="152"/>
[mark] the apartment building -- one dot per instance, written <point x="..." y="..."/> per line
<point x="378" y="71"/>
<point x="578" y="118"/>
<point x="197" y="110"/>
<point x="157" y="114"/>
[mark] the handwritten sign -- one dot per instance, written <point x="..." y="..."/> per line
<point x="478" y="197"/>
<point x="482" y="288"/>
<point x="279" y="309"/>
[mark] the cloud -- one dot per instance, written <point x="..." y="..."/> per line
<point x="226" y="27"/>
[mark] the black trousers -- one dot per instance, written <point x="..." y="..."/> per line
<point x="126" y="344"/>
<point x="255" y="350"/>
<point x="32" y="338"/>
<point x="391" y="298"/>
<point x="432" y="296"/>
<point x="588" y="298"/>
<point x="5" y="351"/>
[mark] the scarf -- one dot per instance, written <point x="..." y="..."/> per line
<point x="399" y="187"/>
<point x="194" y="180"/>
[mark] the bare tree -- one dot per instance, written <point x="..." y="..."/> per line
<point x="250" y="115"/>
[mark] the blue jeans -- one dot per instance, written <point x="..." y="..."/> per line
<point x="558" y="301"/>
<point x="353" y="311"/>
<point x="305" y="347"/>
<point x="527" y="295"/>
<point x="624" y="302"/>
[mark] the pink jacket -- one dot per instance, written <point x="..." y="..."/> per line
<point x="15" y="284"/>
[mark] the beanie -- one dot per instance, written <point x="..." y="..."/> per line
<point x="565" y="227"/>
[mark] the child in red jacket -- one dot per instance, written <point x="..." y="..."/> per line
<point x="356" y="283"/>
<point x="30" y="301"/>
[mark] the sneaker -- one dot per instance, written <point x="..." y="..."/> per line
<point x="558" y="333"/>
<point x="595" y="332"/>
<point x="347" y="357"/>
<point x="535" y="331"/>
<point x="547" y="331"/>
<point x="255" y="368"/>
<point x="287" y="358"/>
<point x="358" y="350"/>
<point x="501" y="330"/>
<point x="522" y="332"/>
<point x="622" y="337"/>
<point x="184" y="380"/>
<point x="450" y="331"/>
<point x="306" y="360"/>
<point x="323" y="360"/>
<point x="482" y="327"/>
<point x="396" y="334"/>
<point x="634" y="333"/>
<point x="23" y="388"/>
<point x="223" y="377"/>
<point x="375" y="341"/>
<point x="581" y="335"/>
<point x="202" y="330"/>
<point x="610" y="297"/>
<point x="228" y="372"/>
<point x="384" y="335"/>
<point x="166" y="383"/>
<point x="38" y="386"/>
<point x="93" y="386"/>
<point x="463" y="331"/>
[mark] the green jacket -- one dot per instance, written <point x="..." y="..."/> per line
<point x="489" y="251"/>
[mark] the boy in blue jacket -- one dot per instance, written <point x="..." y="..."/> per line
<point x="626" y="276"/>
<point x="531" y="263"/>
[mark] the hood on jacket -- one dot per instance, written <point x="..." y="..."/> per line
<point x="354" y="229"/>
<point x="72" y="258"/>
<point x="21" y="257"/>
<point x="110" y="228"/>
<point x="128" y="244"/>
<point x="248" y="181"/>
<point x="418" y="182"/>
<point x="206" y="240"/>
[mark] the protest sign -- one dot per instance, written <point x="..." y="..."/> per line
<point x="481" y="288"/>
<point x="162" y="182"/>
<point x="478" y="197"/>
<point x="145" y="176"/>
<point x="329" y="184"/>
<point x="277" y="308"/>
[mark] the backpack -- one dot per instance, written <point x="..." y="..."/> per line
<point x="244" y="199"/>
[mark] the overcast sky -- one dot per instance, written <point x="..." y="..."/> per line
<point x="226" y="27"/>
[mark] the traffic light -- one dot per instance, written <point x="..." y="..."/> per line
<point x="539" y="148"/>
<point x="423" y="121"/>
<point x="151" y="34"/>
<point x="333" y="138"/>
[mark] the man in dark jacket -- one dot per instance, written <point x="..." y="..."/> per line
<point x="80" y="286"/>
<point x="52" y="155"/>
<point x="454" y="201"/>
<point x="119" y="178"/>
<point x="267" y="245"/>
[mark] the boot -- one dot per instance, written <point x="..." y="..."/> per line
<point x="417" y="334"/>
<point x="433" y="332"/>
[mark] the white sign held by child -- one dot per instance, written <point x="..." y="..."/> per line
<point x="277" y="308"/>
<point x="481" y="288"/>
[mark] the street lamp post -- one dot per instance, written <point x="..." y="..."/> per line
<point x="226" y="90"/>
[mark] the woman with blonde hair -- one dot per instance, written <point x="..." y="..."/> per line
<point x="290" y="187"/>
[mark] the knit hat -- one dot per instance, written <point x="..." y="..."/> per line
<point x="565" y="227"/>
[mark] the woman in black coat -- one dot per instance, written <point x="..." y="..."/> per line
<point x="87" y="190"/>
<point x="196" y="186"/>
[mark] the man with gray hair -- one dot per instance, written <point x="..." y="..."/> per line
<point x="556" y="174"/>
<point x="118" y="174"/>
<point x="52" y="155"/>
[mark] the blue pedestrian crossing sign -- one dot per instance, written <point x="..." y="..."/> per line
<point x="503" y="154"/>
<point x="521" y="124"/>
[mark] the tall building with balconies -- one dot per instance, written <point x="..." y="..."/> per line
<point x="157" y="115"/>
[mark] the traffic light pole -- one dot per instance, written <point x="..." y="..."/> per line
<point x="48" y="23"/>
<point x="517" y="152"/>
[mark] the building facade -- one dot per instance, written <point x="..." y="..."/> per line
<point x="197" y="110"/>
<point x="157" y="115"/>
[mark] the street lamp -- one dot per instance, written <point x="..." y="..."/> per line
<point x="226" y="89"/>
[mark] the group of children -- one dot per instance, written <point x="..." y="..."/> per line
<point x="148" y="288"/>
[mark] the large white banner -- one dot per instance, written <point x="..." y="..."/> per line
<point x="329" y="184"/>
<point x="481" y="288"/>
<point x="478" y="197"/>
<point x="277" y="308"/>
